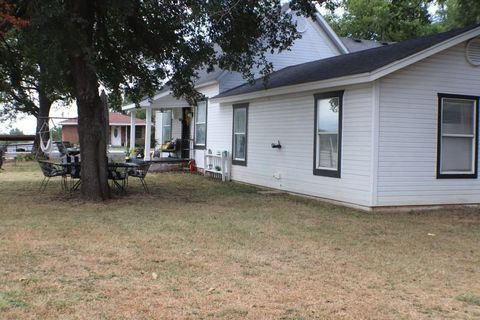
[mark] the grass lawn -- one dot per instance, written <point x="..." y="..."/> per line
<point x="200" y="249"/>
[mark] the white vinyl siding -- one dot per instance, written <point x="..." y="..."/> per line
<point x="408" y="121"/>
<point x="289" y="119"/>
<point x="313" y="45"/>
<point x="215" y="128"/>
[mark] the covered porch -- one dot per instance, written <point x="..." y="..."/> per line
<point x="169" y="123"/>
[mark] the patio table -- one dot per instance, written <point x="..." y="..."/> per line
<point x="117" y="173"/>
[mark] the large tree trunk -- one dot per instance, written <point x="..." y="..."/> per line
<point x="43" y="127"/>
<point x="91" y="116"/>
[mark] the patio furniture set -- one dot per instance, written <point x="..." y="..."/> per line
<point x="70" y="173"/>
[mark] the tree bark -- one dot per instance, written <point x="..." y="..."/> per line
<point x="91" y="116"/>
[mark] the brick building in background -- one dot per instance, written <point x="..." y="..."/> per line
<point x="118" y="133"/>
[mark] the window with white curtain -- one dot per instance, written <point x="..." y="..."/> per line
<point x="201" y="125"/>
<point x="457" y="136"/>
<point x="327" y="139"/>
<point x="240" y="125"/>
<point x="167" y="126"/>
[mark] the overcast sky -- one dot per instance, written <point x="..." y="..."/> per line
<point x="28" y="123"/>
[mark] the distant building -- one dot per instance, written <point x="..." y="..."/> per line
<point x="119" y="129"/>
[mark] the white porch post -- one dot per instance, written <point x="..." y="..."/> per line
<point x="148" y="133"/>
<point x="132" y="130"/>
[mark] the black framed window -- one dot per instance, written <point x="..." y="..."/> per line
<point x="240" y="134"/>
<point x="328" y="134"/>
<point x="457" y="136"/>
<point x="167" y="126"/>
<point x="201" y="125"/>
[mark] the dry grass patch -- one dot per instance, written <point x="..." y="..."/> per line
<point x="199" y="249"/>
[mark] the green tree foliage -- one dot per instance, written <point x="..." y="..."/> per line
<point x="15" y="131"/>
<point x="56" y="134"/>
<point x="383" y="20"/>
<point x="29" y="67"/>
<point x="132" y="47"/>
<point x="459" y="13"/>
<point x="9" y="16"/>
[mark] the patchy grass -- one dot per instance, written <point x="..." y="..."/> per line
<point x="470" y="298"/>
<point x="10" y="300"/>
<point x="200" y="249"/>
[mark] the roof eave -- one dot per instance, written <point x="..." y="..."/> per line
<point x="148" y="102"/>
<point x="402" y="63"/>
<point x="357" y="78"/>
<point x="297" y="88"/>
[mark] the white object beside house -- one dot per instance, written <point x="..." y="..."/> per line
<point x="217" y="165"/>
<point x="395" y="125"/>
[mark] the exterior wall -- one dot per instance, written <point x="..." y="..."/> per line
<point x="290" y="119"/>
<point x="313" y="45"/>
<point x="408" y="131"/>
<point x="70" y="133"/>
<point x="208" y="91"/>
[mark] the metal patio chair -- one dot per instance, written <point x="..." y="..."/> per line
<point x="74" y="169"/>
<point x="51" y="170"/>
<point x="118" y="175"/>
<point x="140" y="172"/>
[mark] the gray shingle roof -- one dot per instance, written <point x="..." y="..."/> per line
<point x="345" y="65"/>
<point x="354" y="45"/>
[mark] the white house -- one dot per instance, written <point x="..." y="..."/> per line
<point x="389" y="126"/>
<point x="174" y="116"/>
<point x="395" y="125"/>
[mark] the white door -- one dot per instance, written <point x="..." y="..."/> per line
<point x="116" y="139"/>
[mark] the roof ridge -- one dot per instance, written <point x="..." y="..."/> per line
<point x="347" y="64"/>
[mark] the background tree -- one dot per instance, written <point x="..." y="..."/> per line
<point x="383" y="20"/>
<point x="15" y="131"/>
<point x="29" y="81"/>
<point x="459" y="13"/>
<point x="10" y="16"/>
<point x="132" y="47"/>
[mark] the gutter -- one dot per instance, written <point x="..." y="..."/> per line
<point x="355" y="78"/>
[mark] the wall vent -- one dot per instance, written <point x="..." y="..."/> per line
<point x="302" y="24"/>
<point x="472" y="51"/>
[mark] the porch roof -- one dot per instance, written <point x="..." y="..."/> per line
<point x="163" y="99"/>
